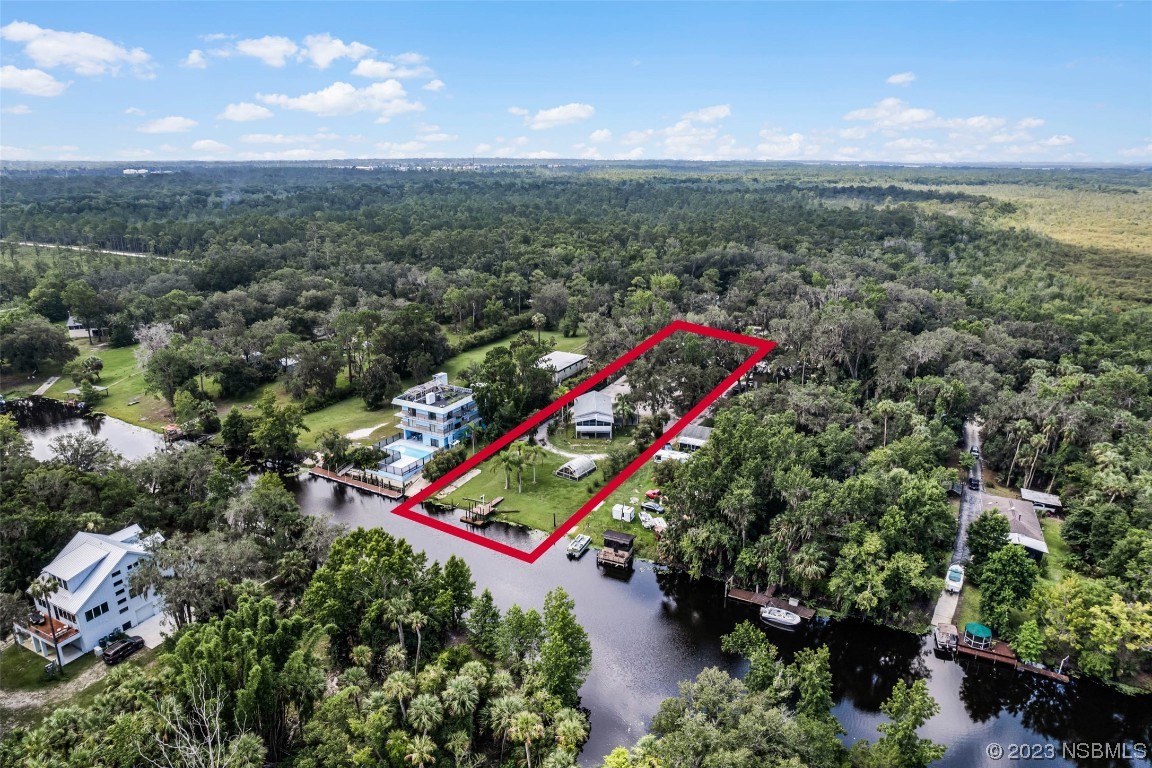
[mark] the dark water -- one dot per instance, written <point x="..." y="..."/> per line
<point x="50" y="418"/>
<point x="650" y="630"/>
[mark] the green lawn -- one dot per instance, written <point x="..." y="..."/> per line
<point x="568" y="442"/>
<point x="125" y="386"/>
<point x="23" y="670"/>
<point x="968" y="608"/>
<point x="600" y="520"/>
<point x="550" y="499"/>
<point x="1057" y="549"/>
<point x="455" y="365"/>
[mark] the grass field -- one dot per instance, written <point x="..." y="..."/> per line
<point x="1057" y="558"/>
<point x="455" y="365"/>
<point x="600" y="520"/>
<point x="543" y="505"/>
<point x="23" y="670"/>
<point x="572" y="444"/>
<point x="968" y="608"/>
<point x="125" y="386"/>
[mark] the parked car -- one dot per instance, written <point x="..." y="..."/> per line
<point x="653" y="507"/>
<point x="955" y="578"/>
<point x="974" y="483"/>
<point x="36" y="618"/>
<point x="122" y="649"/>
<point x="974" y="451"/>
<point x="653" y="494"/>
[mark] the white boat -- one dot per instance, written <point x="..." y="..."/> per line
<point x="578" y="545"/>
<point x="778" y="617"/>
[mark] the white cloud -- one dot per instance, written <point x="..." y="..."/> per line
<point x="209" y="145"/>
<point x="411" y="58"/>
<point x="1144" y="151"/>
<point x="1030" y="122"/>
<point x="83" y="53"/>
<point x="13" y="153"/>
<point x="213" y="37"/>
<point x="244" y="112"/>
<point x="281" y="138"/>
<point x="195" y="60"/>
<point x="393" y="149"/>
<point x="296" y="154"/>
<point x="381" y="70"/>
<point x="709" y="114"/>
<point x="691" y="139"/>
<point x="517" y="111"/>
<point x="777" y="145"/>
<point x="901" y="78"/>
<point x="434" y="85"/>
<point x="541" y="154"/>
<point x="439" y="137"/>
<point x="600" y="135"/>
<point x="33" y="82"/>
<point x="856" y="132"/>
<point x="632" y="154"/>
<point x="911" y="143"/>
<point x="173" y="124"/>
<point x="636" y="137"/>
<point x="891" y="112"/>
<point x="323" y="49"/>
<point x="273" y="51"/>
<point x="385" y="100"/>
<point x="1057" y="141"/>
<point x="134" y="111"/>
<point x="562" y="115"/>
<point x="977" y="122"/>
<point x="17" y="109"/>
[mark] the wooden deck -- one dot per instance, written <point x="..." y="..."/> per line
<point x="379" y="490"/>
<point x="998" y="653"/>
<point x="768" y="598"/>
<point x="64" y="632"/>
<point x="618" y="558"/>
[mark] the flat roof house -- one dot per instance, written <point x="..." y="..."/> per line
<point x="592" y="414"/>
<point x="692" y="438"/>
<point x="95" y="597"/>
<point x="563" y="364"/>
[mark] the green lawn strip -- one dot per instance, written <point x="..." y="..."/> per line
<point x="23" y="670"/>
<point x="968" y="609"/>
<point x="455" y="365"/>
<point x="566" y="440"/>
<point x="1058" y="551"/>
<point x="349" y="415"/>
<point x="551" y="497"/>
<point x="600" y="520"/>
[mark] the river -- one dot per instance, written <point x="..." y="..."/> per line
<point x="651" y="629"/>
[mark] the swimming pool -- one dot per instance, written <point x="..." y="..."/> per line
<point x="411" y="450"/>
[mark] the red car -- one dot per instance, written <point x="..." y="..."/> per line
<point x="653" y="494"/>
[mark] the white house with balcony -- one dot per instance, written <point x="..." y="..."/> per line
<point x="592" y="415"/>
<point x="95" y="597"/>
<point x="433" y="416"/>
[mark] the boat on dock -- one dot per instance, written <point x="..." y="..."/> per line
<point x="778" y="617"/>
<point x="579" y="546"/>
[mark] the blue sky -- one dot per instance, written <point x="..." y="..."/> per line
<point x="910" y="82"/>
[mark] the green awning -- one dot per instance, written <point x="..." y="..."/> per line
<point x="977" y="630"/>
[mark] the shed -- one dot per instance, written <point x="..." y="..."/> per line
<point x="1048" y="502"/>
<point x="577" y="468"/>
<point x="621" y="542"/>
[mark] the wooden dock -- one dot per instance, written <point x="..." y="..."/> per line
<point x="379" y="490"/>
<point x="948" y="642"/>
<point x="479" y="512"/>
<point x="768" y="598"/>
<point x="998" y="653"/>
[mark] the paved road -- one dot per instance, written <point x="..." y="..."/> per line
<point x="971" y="502"/>
<point x="101" y="250"/>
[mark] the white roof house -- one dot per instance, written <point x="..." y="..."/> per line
<point x="1043" y="500"/>
<point x="562" y="364"/>
<point x="95" y="597"/>
<point x="693" y="437"/>
<point x="592" y="414"/>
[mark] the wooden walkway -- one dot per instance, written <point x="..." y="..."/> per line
<point x="379" y="490"/>
<point x="767" y="597"/>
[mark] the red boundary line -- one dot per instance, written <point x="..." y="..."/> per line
<point x="761" y="347"/>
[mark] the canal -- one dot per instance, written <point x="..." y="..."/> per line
<point x="649" y="630"/>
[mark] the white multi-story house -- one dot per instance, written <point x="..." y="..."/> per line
<point x="95" y="597"/>
<point x="592" y="414"/>
<point x="433" y="416"/>
<point x="562" y="364"/>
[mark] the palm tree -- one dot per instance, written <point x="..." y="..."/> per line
<point x="500" y="715"/>
<point x="421" y="751"/>
<point x="41" y="590"/>
<point x="425" y="712"/>
<point x="538" y="322"/>
<point x="505" y="460"/>
<point x="624" y="410"/>
<point x="460" y="696"/>
<point x="398" y="686"/>
<point x="417" y="621"/>
<point x="571" y="729"/>
<point x="362" y="657"/>
<point x="526" y="726"/>
<point x="397" y="610"/>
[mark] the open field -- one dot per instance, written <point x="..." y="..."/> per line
<point x="1057" y="549"/>
<point x="566" y="441"/>
<point x="543" y="505"/>
<point x="453" y="366"/>
<point x="125" y="385"/>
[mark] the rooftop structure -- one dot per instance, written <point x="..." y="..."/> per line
<point x="692" y="438"/>
<point x="563" y="364"/>
<point x="1023" y="524"/>
<point x="1045" y="501"/>
<point x="435" y="414"/>
<point x="577" y="468"/>
<point x="592" y="414"/>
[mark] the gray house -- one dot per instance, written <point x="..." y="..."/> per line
<point x="592" y="414"/>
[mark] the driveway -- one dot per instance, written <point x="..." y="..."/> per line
<point x="154" y="630"/>
<point x="970" y="501"/>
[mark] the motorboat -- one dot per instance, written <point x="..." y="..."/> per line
<point x="778" y="617"/>
<point x="579" y="545"/>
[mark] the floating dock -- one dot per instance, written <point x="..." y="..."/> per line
<point x="379" y="490"/>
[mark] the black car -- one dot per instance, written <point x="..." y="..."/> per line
<point x="974" y="483"/>
<point x="122" y="649"/>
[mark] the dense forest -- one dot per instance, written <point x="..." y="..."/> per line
<point x="901" y="311"/>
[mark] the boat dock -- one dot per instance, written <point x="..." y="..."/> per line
<point x="479" y="511"/>
<point x="379" y="490"/>
<point x="768" y="597"/>
<point x="948" y="641"/>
